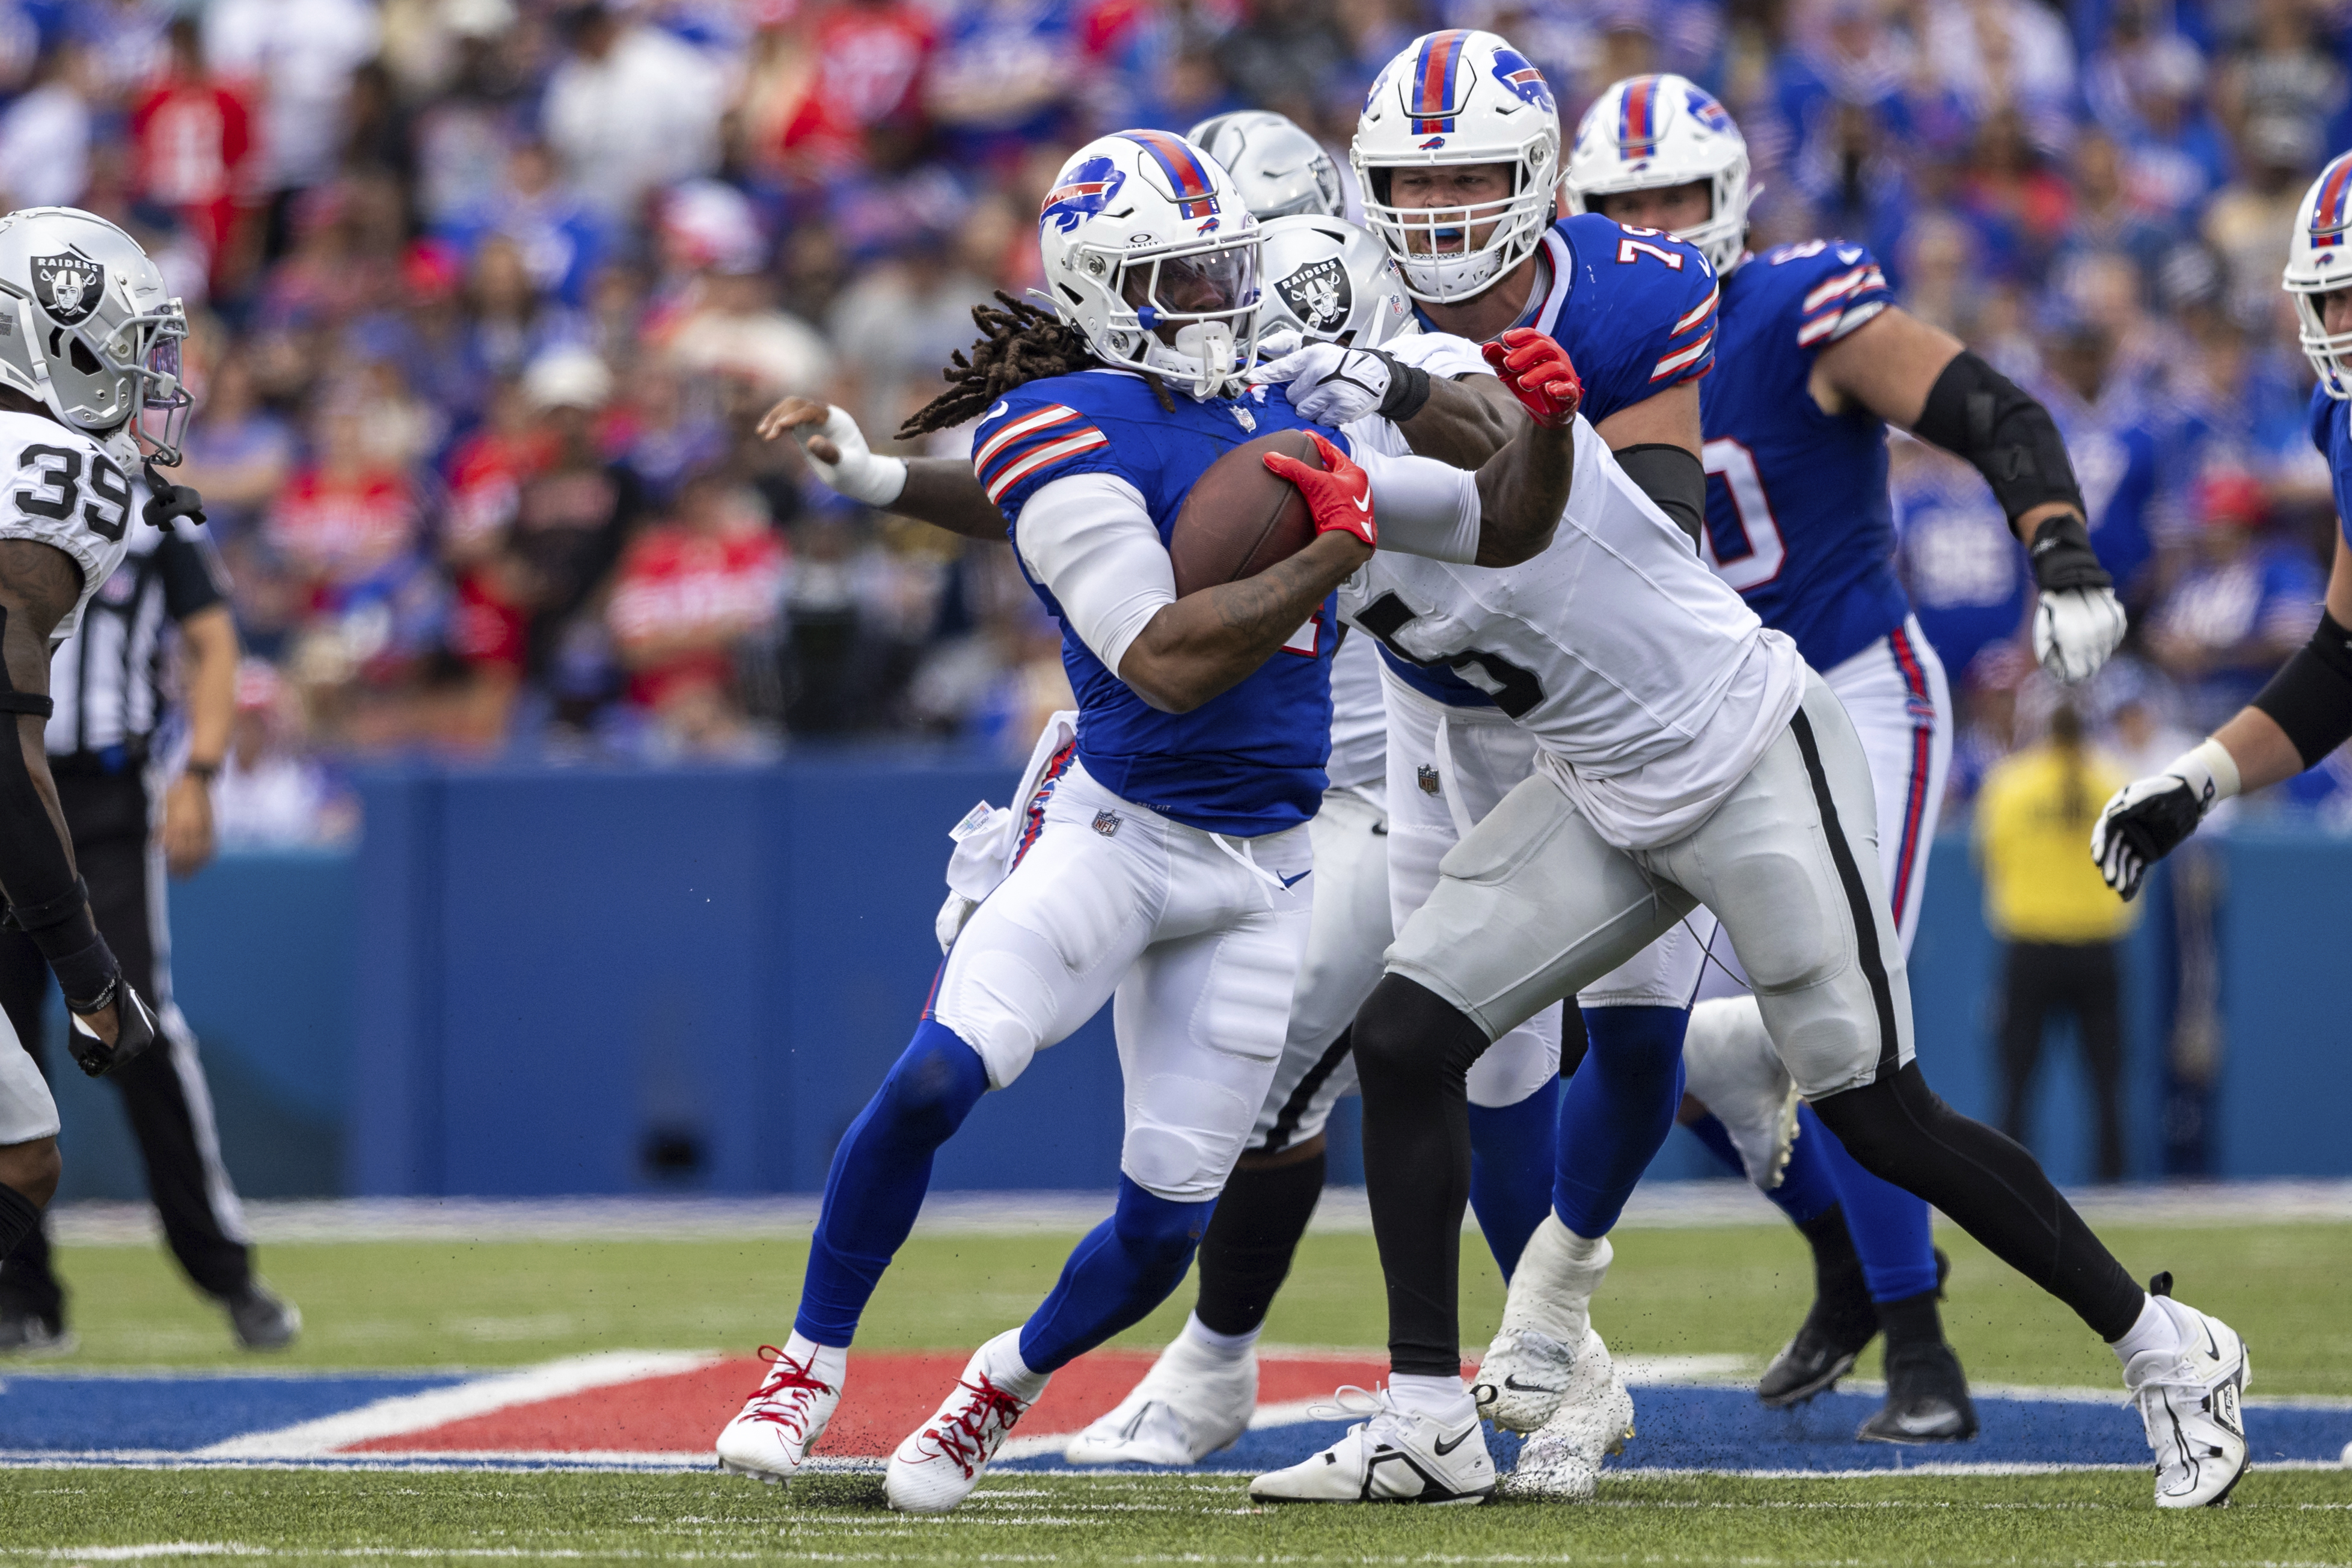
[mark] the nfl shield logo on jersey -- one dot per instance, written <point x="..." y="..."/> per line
<point x="1427" y="777"/>
<point x="1318" y="294"/>
<point x="1106" y="823"/>
<point x="66" y="286"/>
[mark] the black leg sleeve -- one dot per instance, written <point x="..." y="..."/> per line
<point x="26" y="1279"/>
<point x="1246" y="1251"/>
<point x="1413" y="1051"/>
<point x="1986" y="1184"/>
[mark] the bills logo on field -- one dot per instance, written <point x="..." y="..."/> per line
<point x="1106" y="822"/>
<point x="68" y="286"/>
<point x="1427" y="777"/>
<point x="1318" y="294"/>
<point x="1083" y="192"/>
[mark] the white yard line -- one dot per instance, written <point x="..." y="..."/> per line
<point x="418" y="1411"/>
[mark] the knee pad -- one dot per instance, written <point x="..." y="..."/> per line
<point x="1160" y="1234"/>
<point x="1183" y="1135"/>
<point x="933" y="1085"/>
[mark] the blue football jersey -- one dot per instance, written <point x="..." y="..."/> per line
<point x="1635" y="309"/>
<point x="1798" y="517"/>
<point x="2117" y="456"/>
<point x="2331" y="432"/>
<point x="1249" y="761"/>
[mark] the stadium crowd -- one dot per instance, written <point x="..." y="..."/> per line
<point x="489" y="293"/>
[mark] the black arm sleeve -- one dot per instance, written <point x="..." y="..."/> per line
<point x="46" y="901"/>
<point x="1671" y="479"/>
<point x="194" y="577"/>
<point x="1975" y="412"/>
<point x="2311" y="696"/>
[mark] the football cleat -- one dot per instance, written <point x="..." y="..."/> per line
<point x="941" y="1460"/>
<point x="1926" y="1398"/>
<point x="1561" y="1462"/>
<point x="1527" y="1369"/>
<point x="1389" y="1455"/>
<point x="26" y="1332"/>
<point x="1187" y="1407"/>
<point x="771" y="1436"/>
<point x="1729" y="1066"/>
<point x="2189" y="1399"/>
<point x="262" y="1320"/>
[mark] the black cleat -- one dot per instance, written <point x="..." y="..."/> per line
<point x="1842" y="1322"/>
<point x="1926" y="1398"/>
<point x="260" y="1321"/>
<point x="26" y="1332"/>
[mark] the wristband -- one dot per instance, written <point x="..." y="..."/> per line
<point x="203" y="772"/>
<point x="2063" y="557"/>
<point x="2208" y="771"/>
<point x="1408" y="387"/>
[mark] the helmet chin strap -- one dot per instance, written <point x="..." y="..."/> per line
<point x="1211" y="346"/>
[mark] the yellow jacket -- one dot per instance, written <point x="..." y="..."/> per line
<point x="2033" y="844"/>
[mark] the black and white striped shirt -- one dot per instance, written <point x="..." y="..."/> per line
<point x="108" y="678"/>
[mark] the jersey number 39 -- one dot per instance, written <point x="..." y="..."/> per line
<point x="58" y="490"/>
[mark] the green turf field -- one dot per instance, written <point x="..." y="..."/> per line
<point x="1735" y="1289"/>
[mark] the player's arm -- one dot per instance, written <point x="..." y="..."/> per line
<point x="47" y="900"/>
<point x="1657" y="442"/>
<point x="941" y="491"/>
<point x="1449" y="409"/>
<point x="2302" y="715"/>
<point x="1921" y="377"/>
<point x="209" y="636"/>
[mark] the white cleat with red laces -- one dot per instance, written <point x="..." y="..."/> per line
<point x="771" y="1435"/>
<point x="940" y="1462"/>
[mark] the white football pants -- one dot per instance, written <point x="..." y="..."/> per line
<point x="1194" y="938"/>
<point x="27" y="1110"/>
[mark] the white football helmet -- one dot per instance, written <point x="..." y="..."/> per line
<point x="88" y="327"/>
<point x="1452" y="99"/>
<point x="1331" y="283"/>
<point x="1279" y="169"/>
<point x="2319" y="261"/>
<point x="1151" y="253"/>
<point x="1650" y="133"/>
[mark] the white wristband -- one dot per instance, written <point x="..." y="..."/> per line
<point x="2210" y="772"/>
<point x="861" y="475"/>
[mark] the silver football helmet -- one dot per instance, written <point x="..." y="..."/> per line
<point x="1331" y="283"/>
<point x="88" y="327"/>
<point x="1281" y="171"/>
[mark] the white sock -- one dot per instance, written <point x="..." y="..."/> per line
<point x="1000" y="1358"/>
<point x="2155" y="1329"/>
<point x="1445" y="1399"/>
<point x="1229" y="1349"/>
<point x="1582" y="1249"/>
<point x="827" y="1364"/>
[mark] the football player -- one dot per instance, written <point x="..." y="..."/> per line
<point x="90" y="387"/>
<point x="1163" y="859"/>
<point x="2305" y="710"/>
<point x="1814" y="360"/>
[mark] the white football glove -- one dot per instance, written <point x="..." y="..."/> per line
<point x="2147" y="819"/>
<point x="1329" y="384"/>
<point x="2075" y="630"/>
<point x="949" y="925"/>
<point x="861" y="475"/>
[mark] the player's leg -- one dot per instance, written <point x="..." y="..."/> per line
<point x="1532" y="904"/>
<point x="1798" y="890"/>
<point x="32" y="1303"/>
<point x="30" y="1164"/>
<point x="1038" y="957"/>
<point x="1200" y="1018"/>
<point x="1199" y="1395"/>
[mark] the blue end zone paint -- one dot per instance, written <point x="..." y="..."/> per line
<point x="45" y="1411"/>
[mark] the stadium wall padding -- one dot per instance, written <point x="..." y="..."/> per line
<point x="533" y="982"/>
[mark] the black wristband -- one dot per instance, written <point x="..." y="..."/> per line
<point x="2311" y="696"/>
<point x="32" y="919"/>
<point x="2063" y="557"/>
<point x="85" y="966"/>
<point x="1408" y="391"/>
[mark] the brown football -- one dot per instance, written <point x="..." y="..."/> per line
<point x="1241" y="517"/>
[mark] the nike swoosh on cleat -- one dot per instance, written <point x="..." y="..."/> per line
<point x="1444" y="1447"/>
<point x="1512" y="1383"/>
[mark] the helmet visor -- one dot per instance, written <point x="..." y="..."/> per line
<point x="1218" y="284"/>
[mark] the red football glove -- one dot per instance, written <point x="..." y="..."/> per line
<point x="1539" y="375"/>
<point x="1339" y="494"/>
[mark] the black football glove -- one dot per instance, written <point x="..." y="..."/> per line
<point x="2145" y="821"/>
<point x="166" y="500"/>
<point x="135" y="1031"/>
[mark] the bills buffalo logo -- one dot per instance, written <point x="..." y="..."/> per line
<point x="1082" y="193"/>
<point x="1318" y="294"/>
<point x="1427" y="777"/>
<point x="1106" y="822"/>
<point x="1707" y="112"/>
<point x="1433" y="143"/>
<point x="66" y="286"/>
<point x="1514" y="71"/>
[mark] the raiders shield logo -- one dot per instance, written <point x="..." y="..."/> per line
<point x="1319" y="294"/>
<point x="1106" y="823"/>
<point x="1427" y="777"/>
<point x="66" y="286"/>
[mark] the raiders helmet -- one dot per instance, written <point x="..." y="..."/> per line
<point x="87" y="328"/>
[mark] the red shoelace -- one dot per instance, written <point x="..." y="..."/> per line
<point x="964" y="1437"/>
<point x="789" y="1376"/>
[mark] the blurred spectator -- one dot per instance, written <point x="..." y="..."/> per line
<point x="268" y="795"/>
<point x="239" y="453"/>
<point x="2059" y="927"/>
<point x="631" y="108"/>
<point x="350" y="512"/>
<point x="2243" y="604"/>
<point x="864" y="74"/>
<point x="573" y="511"/>
<point x="45" y="134"/>
<point x="197" y="153"/>
<point x="296" y="58"/>
<point x="689" y="593"/>
<point x="1956" y="552"/>
<point x="1002" y="78"/>
<point x="559" y="240"/>
<point x="2113" y="439"/>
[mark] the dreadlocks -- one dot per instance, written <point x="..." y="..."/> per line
<point x="1018" y="344"/>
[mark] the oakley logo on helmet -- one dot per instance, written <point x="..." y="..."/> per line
<point x="1088" y="189"/>
<point x="1514" y="71"/>
<point x="68" y="286"/>
<point x="1319" y="294"/>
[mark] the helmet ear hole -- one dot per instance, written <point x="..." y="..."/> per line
<point x="82" y="359"/>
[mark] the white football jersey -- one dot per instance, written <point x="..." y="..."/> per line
<point x="1360" y="719"/>
<point x="1652" y="688"/>
<point x="70" y="490"/>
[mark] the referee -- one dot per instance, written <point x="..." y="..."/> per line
<point x="108" y="681"/>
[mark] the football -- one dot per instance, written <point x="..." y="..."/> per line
<point x="1241" y="517"/>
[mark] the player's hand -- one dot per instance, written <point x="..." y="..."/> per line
<point x="1339" y="494"/>
<point x="836" y="449"/>
<point x="949" y="924"/>
<point x="1332" y="385"/>
<point x="120" y="1030"/>
<point x="2075" y="630"/>
<point x="2146" y="820"/>
<point x="1539" y="375"/>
